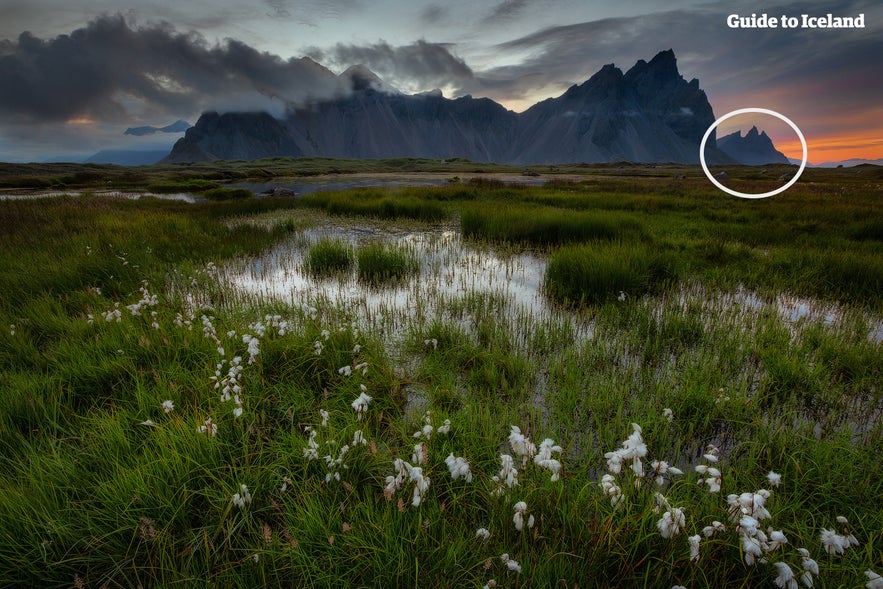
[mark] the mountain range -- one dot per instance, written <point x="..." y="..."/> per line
<point x="648" y="114"/>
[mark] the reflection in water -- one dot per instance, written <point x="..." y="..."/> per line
<point x="451" y="270"/>
<point x="111" y="193"/>
<point x="454" y="270"/>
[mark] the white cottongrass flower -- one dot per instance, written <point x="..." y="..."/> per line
<point x="774" y="478"/>
<point x="424" y="432"/>
<point x="671" y="523"/>
<point x="660" y="469"/>
<point x="360" y="405"/>
<point x="694" y="547"/>
<point x="668" y="415"/>
<point x="444" y="428"/>
<point x="396" y="481"/>
<point x="114" y="314"/>
<point x="521" y="445"/>
<point x="237" y="411"/>
<point x="834" y="543"/>
<point x="511" y="564"/>
<point x="715" y="527"/>
<point x="775" y="539"/>
<point x="345" y="370"/>
<point x="712" y="478"/>
<point x="421" y="484"/>
<point x="459" y="467"/>
<point x="431" y="342"/>
<point x="544" y="459"/>
<point x="324" y="415"/>
<point x="751" y="549"/>
<point x="875" y="581"/>
<point x="633" y="448"/>
<point x="242" y="498"/>
<point x="752" y="504"/>
<point x="285" y="482"/>
<point x="482" y="533"/>
<point x="318" y="347"/>
<point x="311" y="452"/>
<point x="253" y="347"/>
<point x="420" y="454"/>
<point x="208" y="427"/>
<point x="611" y="489"/>
<point x="785" y="576"/>
<point x="12" y="329"/>
<point x="147" y="423"/>
<point x="168" y="406"/>
<point x="362" y="366"/>
<point x="359" y="438"/>
<point x="810" y="567"/>
<point x="848" y="539"/>
<point x="518" y="518"/>
<point x="508" y="475"/>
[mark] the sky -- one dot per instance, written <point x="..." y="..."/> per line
<point x="75" y="75"/>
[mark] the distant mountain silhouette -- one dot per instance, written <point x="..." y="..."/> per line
<point x="850" y="163"/>
<point x="754" y="149"/>
<point x="648" y="114"/>
<point x="178" y="126"/>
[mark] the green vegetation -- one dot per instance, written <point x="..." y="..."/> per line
<point x="111" y="307"/>
<point x="373" y="202"/>
<point x="329" y="256"/>
<point x="595" y="272"/>
<point x="381" y="263"/>
<point x="545" y="225"/>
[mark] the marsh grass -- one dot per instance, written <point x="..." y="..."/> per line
<point x="329" y="256"/>
<point x="543" y="226"/>
<point x="596" y="272"/>
<point x="90" y="495"/>
<point x="378" y="263"/>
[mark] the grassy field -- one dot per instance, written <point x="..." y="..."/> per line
<point x="158" y="427"/>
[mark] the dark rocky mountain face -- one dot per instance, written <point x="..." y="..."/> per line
<point x="648" y="114"/>
<point x="754" y="149"/>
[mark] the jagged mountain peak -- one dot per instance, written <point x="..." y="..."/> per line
<point x="753" y="149"/>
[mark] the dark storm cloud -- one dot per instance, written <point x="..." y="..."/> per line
<point x="104" y="69"/>
<point x="425" y="64"/>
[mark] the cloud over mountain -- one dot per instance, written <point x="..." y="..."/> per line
<point x="110" y="69"/>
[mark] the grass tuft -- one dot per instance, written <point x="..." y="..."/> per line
<point x="382" y="262"/>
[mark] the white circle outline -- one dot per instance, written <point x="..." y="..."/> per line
<point x="741" y="111"/>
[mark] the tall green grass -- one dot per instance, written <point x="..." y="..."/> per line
<point x="328" y="256"/>
<point x="593" y="273"/>
<point x="543" y="226"/>
<point x="379" y="262"/>
<point x="376" y="203"/>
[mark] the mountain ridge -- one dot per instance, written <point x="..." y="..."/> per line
<point x="649" y="114"/>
